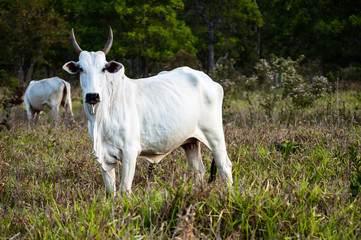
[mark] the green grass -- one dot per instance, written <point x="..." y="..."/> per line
<point x="297" y="179"/>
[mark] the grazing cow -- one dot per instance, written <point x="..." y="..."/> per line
<point x="148" y="117"/>
<point x="49" y="92"/>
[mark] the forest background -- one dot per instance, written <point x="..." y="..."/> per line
<point x="151" y="36"/>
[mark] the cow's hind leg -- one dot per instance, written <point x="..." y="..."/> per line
<point x="36" y="115"/>
<point x="55" y="111"/>
<point x="217" y="145"/>
<point x="29" y="111"/>
<point x="194" y="158"/>
<point x="109" y="181"/>
<point x="55" y="102"/>
<point x="223" y="164"/>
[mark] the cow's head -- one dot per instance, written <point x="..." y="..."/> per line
<point x="93" y="68"/>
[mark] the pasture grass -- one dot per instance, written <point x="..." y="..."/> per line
<point x="296" y="179"/>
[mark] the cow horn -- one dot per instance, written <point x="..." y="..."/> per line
<point x="74" y="42"/>
<point x="109" y="43"/>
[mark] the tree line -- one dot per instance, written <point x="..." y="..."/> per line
<point x="150" y="36"/>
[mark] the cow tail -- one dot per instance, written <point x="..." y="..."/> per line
<point x="212" y="176"/>
<point x="27" y="106"/>
<point x="63" y="98"/>
<point x="66" y="100"/>
<point x="66" y="91"/>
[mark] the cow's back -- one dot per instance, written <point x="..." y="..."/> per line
<point x="181" y="82"/>
<point x="40" y="93"/>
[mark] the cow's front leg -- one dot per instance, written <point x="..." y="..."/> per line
<point x="109" y="181"/>
<point x="129" y="160"/>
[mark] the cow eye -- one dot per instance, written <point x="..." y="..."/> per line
<point x="103" y="70"/>
<point x="80" y="69"/>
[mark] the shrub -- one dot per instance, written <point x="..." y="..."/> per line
<point x="10" y="82"/>
<point x="181" y="58"/>
<point x="286" y="74"/>
<point x="352" y="73"/>
<point x="226" y="75"/>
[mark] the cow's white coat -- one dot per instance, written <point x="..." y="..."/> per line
<point x="151" y="117"/>
<point x="49" y="92"/>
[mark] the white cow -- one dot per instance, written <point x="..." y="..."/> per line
<point x="148" y="117"/>
<point x="49" y="92"/>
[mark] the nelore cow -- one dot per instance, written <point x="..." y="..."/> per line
<point x="48" y="93"/>
<point x="148" y="117"/>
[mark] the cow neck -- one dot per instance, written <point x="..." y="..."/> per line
<point x="104" y="125"/>
<point x="116" y="94"/>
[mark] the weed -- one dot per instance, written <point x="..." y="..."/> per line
<point x="355" y="181"/>
<point x="286" y="147"/>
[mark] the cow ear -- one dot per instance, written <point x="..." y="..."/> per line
<point x="71" y="67"/>
<point x="113" y="66"/>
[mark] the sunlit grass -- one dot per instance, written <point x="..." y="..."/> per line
<point x="290" y="181"/>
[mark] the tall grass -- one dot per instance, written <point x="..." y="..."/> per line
<point x="334" y="110"/>
<point x="292" y="179"/>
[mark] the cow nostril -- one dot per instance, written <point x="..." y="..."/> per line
<point x="92" y="98"/>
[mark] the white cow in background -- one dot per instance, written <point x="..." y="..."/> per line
<point x="49" y="92"/>
<point x="148" y="117"/>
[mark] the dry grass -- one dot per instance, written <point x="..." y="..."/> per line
<point x="294" y="180"/>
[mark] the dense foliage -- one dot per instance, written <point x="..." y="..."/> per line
<point x="35" y="33"/>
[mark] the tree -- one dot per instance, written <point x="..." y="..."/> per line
<point x="90" y="20"/>
<point x="29" y="29"/>
<point x="328" y="30"/>
<point x="224" y="21"/>
<point x="152" y="32"/>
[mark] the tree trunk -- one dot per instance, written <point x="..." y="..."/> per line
<point x="29" y="74"/>
<point x="25" y="79"/>
<point x="258" y="42"/>
<point x="21" y="74"/>
<point x="211" y="48"/>
<point x="258" y="30"/>
<point x="144" y="66"/>
<point x="322" y="63"/>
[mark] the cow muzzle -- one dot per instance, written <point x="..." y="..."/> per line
<point x="92" y="98"/>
